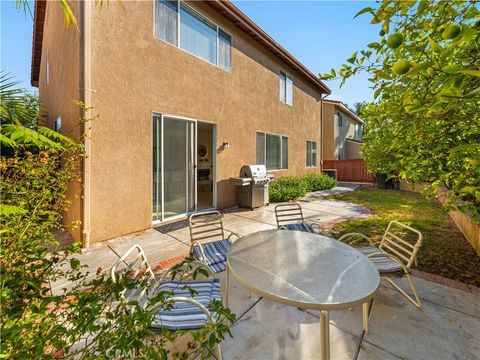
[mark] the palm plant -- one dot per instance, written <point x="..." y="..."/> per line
<point x="19" y="119"/>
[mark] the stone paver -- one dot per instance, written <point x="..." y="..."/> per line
<point x="447" y="326"/>
<point x="435" y="332"/>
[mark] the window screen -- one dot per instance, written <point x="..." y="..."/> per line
<point x="272" y="151"/>
<point x="166" y="20"/>
<point x="224" y="49"/>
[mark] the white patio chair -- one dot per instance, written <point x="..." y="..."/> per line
<point x="394" y="256"/>
<point x="290" y="217"/>
<point x="209" y="244"/>
<point x="190" y="314"/>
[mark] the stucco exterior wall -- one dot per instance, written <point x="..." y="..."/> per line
<point x="135" y="74"/>
<point x="352" y="150"/>
<point x="335" y="147"/>
<point x="328" y="131"/>
<point x="57" y="98"/>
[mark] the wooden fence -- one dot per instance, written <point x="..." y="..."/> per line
<point x="353" y="170"/>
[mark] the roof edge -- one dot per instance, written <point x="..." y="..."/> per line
<point x="242" y="21"/>
<point x="342" y="106"/>
<point x="37" y="41"/>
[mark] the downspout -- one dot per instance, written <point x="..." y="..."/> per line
<point x="86" y="10"/>
<point x="321" y="130"/>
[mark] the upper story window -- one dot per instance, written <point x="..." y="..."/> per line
<point x="286" y="88"/>
<point x="180" y="25"/>
<point x="339" y="119"/>
<point x="358" y="129"/>
<point x="272" y="151"/>
<point x="311" y="153"/>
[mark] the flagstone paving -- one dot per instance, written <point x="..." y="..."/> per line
<point x="447" y="327"/>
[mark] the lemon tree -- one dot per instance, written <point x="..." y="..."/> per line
<point x="424" y="125"/>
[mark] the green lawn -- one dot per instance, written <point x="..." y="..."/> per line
<point x="444" y="252"/>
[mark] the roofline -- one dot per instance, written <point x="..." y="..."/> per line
<point x="37" y="42"/>
<point x="342" y="106"/>
<point x="354" y="140"/>
<point x="224" y="7"/>
<point x="242" y="21"/>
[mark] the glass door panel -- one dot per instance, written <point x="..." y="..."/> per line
<point x="174" y="159"/>
<point x="157" y="168"/>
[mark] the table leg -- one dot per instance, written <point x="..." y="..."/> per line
<point x="324" y="335"/>
<point x="365" y="317"/>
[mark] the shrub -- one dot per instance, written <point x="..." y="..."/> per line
<point x="319" y="182"/>
<point x="287" y="188"/>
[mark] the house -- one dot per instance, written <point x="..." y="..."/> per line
<point x="342" y="132"/>
<point x="182" y="93"/>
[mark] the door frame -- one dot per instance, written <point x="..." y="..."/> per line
<point x="162" y="115"/>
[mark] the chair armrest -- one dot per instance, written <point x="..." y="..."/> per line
<point x="392" y="257"/>
<point x="190" y="301"/>
<point x="356" y="234"/>
<point x="197" y="243"/>
<point x="315" y="227"/>
<point x="235" y="235"/>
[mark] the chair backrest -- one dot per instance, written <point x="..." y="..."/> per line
<point x="205" y="226"/>
<point x="134" y="263"/>
<point x="393" y="243"/>
<point x="290" y="213"/>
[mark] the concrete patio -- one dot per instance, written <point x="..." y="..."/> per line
<point x="447" y="327"/>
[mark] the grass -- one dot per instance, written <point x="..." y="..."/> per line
<point x="444" y="251"/>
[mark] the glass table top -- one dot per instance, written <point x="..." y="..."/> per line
<point x="302" y="269"/>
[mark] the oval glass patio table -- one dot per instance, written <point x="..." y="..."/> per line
<point x="305" y="270"/>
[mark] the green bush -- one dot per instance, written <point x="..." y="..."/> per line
<point x="287" y="188"/>
<point x="319" y="182"/>
<point x="293" y="187"/>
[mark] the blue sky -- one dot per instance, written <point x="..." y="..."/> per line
<point x="321" y="34"/>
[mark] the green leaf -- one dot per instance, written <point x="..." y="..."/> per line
<point x="352" y="59"/>
<point x="363" y="11"/>
<point x="475" y="73"/>
<point x="7" y="210"/>
<point x="75" y="264"/>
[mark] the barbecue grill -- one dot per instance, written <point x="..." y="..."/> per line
<point x="252" y="183"/>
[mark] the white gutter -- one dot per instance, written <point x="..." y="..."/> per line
<point x="86" y="9"/>
<point x="321" y="130"/>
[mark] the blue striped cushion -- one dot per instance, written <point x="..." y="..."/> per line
<point x="216" y="253"/>
<point x="384" y="264"/>
<point x="185" y="316"/>
<point x="298" y="227"/>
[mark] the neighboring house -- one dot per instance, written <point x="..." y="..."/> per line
<point x="185" y="93"/>
<point x="342" y="132"/>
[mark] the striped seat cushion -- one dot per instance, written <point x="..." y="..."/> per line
<point x="384" y="264"/>
<point x="298" y="227"/>
<point x="186" y="316"/>
<point x="216" y="253"/>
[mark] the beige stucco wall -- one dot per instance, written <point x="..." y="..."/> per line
<point x="328" y="131"/>
<point x="57" y="98"/>
<point x="352" y="150"/>
<point x="335" y="147"/>
<point x="135" y="74"/>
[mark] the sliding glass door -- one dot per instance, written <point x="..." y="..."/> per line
<point x="174" y="175"/>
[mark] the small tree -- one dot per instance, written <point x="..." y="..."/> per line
<point x="425" y="69"/>
<point x="87" y="319"/>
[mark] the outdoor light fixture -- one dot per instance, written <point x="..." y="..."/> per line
<point x="225" y="145"/>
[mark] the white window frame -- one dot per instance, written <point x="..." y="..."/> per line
<point x="311" y="153"/>
<point x="179" y="3"/>
<point x="287" y="76"/>
<point x="265" y="133"/>
<point x="339" y="119"/>
<point x="358" y="129"/>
